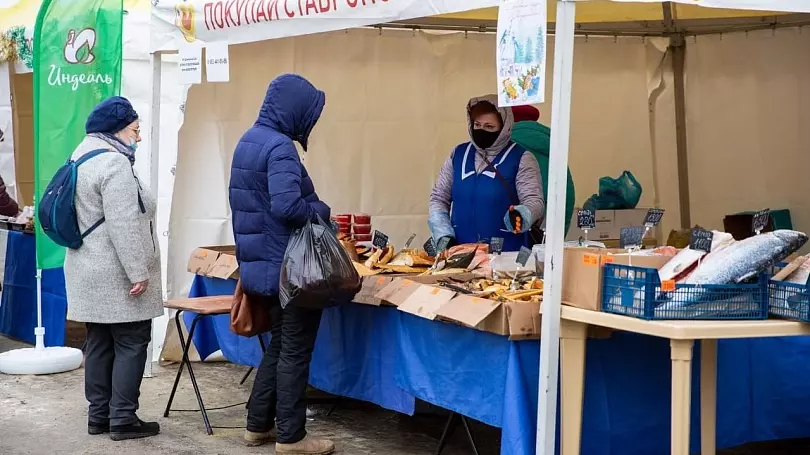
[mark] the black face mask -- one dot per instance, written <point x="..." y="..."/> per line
<point x="484" y="139"/>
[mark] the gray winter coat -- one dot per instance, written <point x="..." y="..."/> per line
<point x="122" y="251"/>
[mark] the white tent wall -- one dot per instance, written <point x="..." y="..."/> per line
<point x="7" y="130"/>
<point x="395" y="109"/>
<point x="6" y="149"/>
<point x="137" y="87"/>
<point x="748" y="111"/>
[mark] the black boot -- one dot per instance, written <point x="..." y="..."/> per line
<point x="95" y="428"/>
<point x="139" y="429"/>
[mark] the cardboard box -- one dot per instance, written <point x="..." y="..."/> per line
<point x="392" y="290"/>
<point x="372" y="285"/>
<point x="517" y="320"/>
<point x="425" y="301"/>
<point x="395" y="292"/>
<point x="608" y="224"/>
<point x="214" y="262"/>
<point x="582" y="273"/>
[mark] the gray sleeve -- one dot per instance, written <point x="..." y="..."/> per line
<point x="529" y="185"/>
<point x="442" y="196"/>
<point x="123" y="219"/>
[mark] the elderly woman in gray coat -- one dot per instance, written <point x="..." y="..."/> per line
<point x="113" y="280"/>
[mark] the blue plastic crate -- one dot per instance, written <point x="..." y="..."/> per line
<point x="789" y="300"/>
<point x="636" y="292"/>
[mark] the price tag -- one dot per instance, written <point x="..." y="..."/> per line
<point x="668" y="285"/>
<point x="379" y="240"/>
<point x="430" y="247"/>
<point x="523" y="256"/>
<point x="496" y="245"/>
<point x="590" y="259"/>
<point x="760" y="221"/>
<point x="701" y="240"/>
<point x="410" y="240"/>
<point x="631" y="237"/>
<point x="653" y="217"/>
<point x="586" y="219"/>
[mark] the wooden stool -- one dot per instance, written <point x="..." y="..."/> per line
<point x="203" y="307"/>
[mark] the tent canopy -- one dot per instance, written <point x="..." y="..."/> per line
<point x="623" y="18"/>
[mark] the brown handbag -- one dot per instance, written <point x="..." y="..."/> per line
<point x="249" y="315"/>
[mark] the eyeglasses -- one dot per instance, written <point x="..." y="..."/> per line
<point x="137" y="131"/>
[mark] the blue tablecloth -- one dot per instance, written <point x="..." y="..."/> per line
<point x="353" y="356"/>
<point x="18" y="308"/>
<point x="389" y="357"/>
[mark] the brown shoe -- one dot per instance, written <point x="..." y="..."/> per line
<point x="254" y="439"/>
<point x="306" y="446"/>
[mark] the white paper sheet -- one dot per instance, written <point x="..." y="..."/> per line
<point x="217" y="65"/>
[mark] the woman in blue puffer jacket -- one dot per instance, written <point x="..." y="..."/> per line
<point x="271" y="195"/>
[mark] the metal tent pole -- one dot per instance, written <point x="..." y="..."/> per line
<point x="555" y="227"/>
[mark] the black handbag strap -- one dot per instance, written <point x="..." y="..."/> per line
<point x="512" y="194"/>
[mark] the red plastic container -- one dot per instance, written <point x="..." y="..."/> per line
<point x="344" y="228"/>
<point x="343" y="219"/>
<point x="362" y="218"/>
<point x="362" y="237"/>
<point x="362" y="229"/>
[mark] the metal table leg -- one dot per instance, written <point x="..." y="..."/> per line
<point x="185" y="361"/>
<point x="450" y="427"/>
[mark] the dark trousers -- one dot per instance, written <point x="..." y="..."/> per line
<point x="281" y="380"/>
<point x="115" y="357"/>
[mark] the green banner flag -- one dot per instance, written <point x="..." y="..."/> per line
<point x="77" y="64"/>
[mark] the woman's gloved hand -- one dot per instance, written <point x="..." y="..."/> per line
<point x="518" y="219"/>
<point x="441" y="228"/>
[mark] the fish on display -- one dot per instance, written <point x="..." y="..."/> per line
<point x="747" y="258"/>
<point x="687" y="259"/>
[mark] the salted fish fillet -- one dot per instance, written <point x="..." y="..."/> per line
<point x="679" y="266"/>
<point x="745" y="259"/>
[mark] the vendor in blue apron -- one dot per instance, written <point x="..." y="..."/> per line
<point x="488" y="187"/>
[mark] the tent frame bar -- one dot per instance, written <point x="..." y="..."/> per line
<point x="663" y="28"/>
<point x="677" y="47"/>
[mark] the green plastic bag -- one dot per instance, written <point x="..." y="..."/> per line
<point x="616" y="194"/>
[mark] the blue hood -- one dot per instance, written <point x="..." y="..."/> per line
<point x="292" y="106"/>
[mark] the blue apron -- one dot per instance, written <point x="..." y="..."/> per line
<point x="480" y="201"/>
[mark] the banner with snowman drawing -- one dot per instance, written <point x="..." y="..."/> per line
<point x="77" y="64"/>
<point x="521" y="52"/>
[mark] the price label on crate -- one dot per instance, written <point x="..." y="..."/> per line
<point x="760" y="221"/>
<point x="379" y="240"/>
<point x="410" y="240"/>
<point x="523" y="256"/>
<point x="586" y="219"/>
<point x="430" y="247"/>
<point x="631" y="237"/>
<point x="496" y="245"/>
<point x="701" y="240"/>
<point x="653" y="217"/>
<point x="668" y="285"/>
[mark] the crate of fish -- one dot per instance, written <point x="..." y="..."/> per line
<point x="789" y="291"/>
<point x="638" y="292"/>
